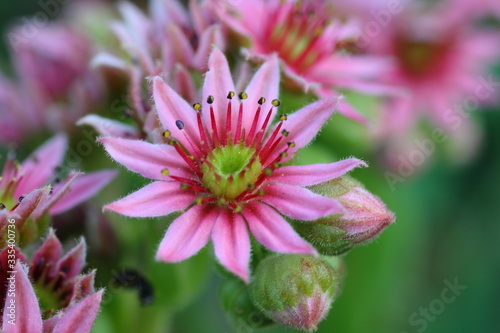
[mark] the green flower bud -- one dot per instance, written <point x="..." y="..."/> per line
<point x="366" y="217"/>
<point x="295" y="290"/>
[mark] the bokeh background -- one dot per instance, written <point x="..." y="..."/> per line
<point x="447" y="229"/>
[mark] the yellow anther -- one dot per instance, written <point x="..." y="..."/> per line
<point x="165" y="172"/>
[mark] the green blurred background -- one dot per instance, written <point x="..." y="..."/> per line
<point x="447" y="230"/>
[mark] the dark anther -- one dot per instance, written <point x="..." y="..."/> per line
<point x="2" y="206"/>
<point x="65" y="268"/>
<point x="261" y="100"/>
<point x="276" y="102"/>
<point x="179" y="124"/>
<point x="230" y="95"/>
<point x="197" y="106"/>
<point x="210" y="99"/>
<point x="21" y="199"/>
<point x="243" y="95"/>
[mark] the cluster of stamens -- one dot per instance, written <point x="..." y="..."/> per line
<point x="230" y="165"/>
<point x="295" y="33"/>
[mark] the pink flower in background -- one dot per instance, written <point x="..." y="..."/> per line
<point x="442" y="60"/>
<point x="223" y="164"/>
<point x="307" y="37"/>
<point x="54" y="85"/>
<point x="56" y="277"/>
<point x="25" y="192"/>
<point x="77" y="318"/>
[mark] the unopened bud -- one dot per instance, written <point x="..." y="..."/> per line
<point x="366" y="217"/>
<point x="295" y="290"/>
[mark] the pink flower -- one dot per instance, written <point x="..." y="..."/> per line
<point x="442" y="61"/>
<point x="25" y="315"/>
<point x="25" y="193"/>
<point x="53" y="86"/>
<point x="223" y="164"/>
<point x="308" y="39"/>
<point x="58" y="279"/>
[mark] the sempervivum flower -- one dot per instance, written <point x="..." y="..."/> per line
<point x="307" y="38"/>
<point x="57" y="279"/>
<point x="22" y="312"/>
<point x="223" y="164"/>
<point x="53" y="86"/>
<point x="27" y="196"/>
<point x="442" y="61"/>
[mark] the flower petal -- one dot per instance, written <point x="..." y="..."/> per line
<point x="30" y="205"/>
<point x="232" y="243"/>
<point x="300" y="203"/>
<point x="156" y="199"/>
<point x="28" y="317"/>
<point x="271" y="230"/>
<point x="187" y="234"/>
<point x="81" y="316"/>
<point x="43" y="261"/>
<point x="145" y="158"/>
<point x="305" y="175"/>
<point x="109" y="127"/>
<point x="218" y="83"/>
<point x="265" y="83"/>
<point x="211" y="36"/>
<point x="60" y="192"/>
<point x="304" y="124"/>
<point x="72" y="263"/>
<point x="39" y="167"/>
<point x="172" y="107"/>
<point x="83" y="188"/>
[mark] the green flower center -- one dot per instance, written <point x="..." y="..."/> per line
<point x="231" y="170"/>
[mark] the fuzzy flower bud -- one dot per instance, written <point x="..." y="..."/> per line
<point x="295" y="290"/>
<point x="364" y="220"/>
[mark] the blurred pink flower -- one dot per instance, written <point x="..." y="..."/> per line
<point x="54" y="85"/>
<point x="442" y="61"/>
<point x="22" y="313"/>
<point x="308" y="39"/>
<point x="225" y="167"/>
<point x="25" y="193"/>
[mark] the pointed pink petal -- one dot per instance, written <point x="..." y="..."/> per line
<point x="31" y="204"/>
<point x="184" y="83"/>
<point x="171" y="107"/>
<point x="145" y="158"/>
<point x="305" y="175"/>
<point x="58" y="192"/>
<point x="299" y="203"/>
<point x="81" y="316"/>
<point x="265" y="83"/>
<point x="351" y="66"/>
<point x="187" y="234"/>
<point x="44" y="260"/>
<point x="72" y="263"/>
<point x="232" y="243"/>
<point x="211" y="36"/>
<point x="350" y="112"/>
<point x="179" y="46"/>
<point x="271" y="230"/>
<point x="218" y="83"/>
<point x="304" y="125"/>
<point x="156" y="199"/>
<point x="83" y="188"/>
<point x="39" y="167"/>
<point x="109" y="127"/>
<point x="27" y="311"/>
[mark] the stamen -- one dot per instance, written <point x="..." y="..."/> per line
<point x="186" y="157"/>
<point x="179" y="124"/>
<point x="254" y="125"/>
<point x="239" y="124"/>
<point x="215" y="136"/>
<point x="2" y="206"/>
<point x="165" y="172"/>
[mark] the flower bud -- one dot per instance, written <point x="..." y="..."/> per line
<point x="364" y="220"/>
<point x="295" y="290"/>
